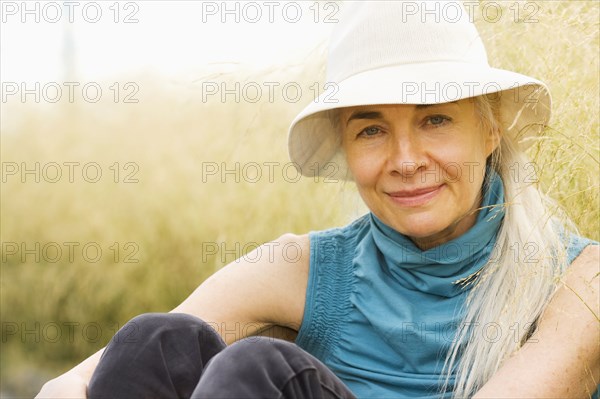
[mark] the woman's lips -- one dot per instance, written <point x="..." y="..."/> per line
<point x="413" y="198"/>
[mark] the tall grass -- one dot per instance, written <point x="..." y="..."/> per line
<point x="175" y="210"/>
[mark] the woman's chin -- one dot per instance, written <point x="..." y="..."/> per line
<point x="425" y="231"/>
<point x="420" y="226"/>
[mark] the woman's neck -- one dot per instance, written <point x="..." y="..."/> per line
<point x="451" y="232"/>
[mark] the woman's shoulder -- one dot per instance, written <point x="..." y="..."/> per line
<point x="295" y="250"/>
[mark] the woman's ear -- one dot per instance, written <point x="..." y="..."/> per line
<point x="493" y="139"/>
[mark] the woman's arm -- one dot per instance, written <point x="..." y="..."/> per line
<point x="73" y="383"/>
<point x="562" y="359"/>
<point x="263" y="290"/>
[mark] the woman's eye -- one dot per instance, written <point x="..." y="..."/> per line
<point x="370" y="131"/>
<point x="437" y="120"/>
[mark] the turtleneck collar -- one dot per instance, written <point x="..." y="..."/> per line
<point x="441" y="269"/>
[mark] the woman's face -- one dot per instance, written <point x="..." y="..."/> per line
<point x="419" y="168"/>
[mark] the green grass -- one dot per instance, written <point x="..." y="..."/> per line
<point x="170" y="214"/>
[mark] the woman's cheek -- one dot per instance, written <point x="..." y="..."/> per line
<point x="364" y="169"/>
<point x="457" y="165"/>
<point x="452" y="172"/>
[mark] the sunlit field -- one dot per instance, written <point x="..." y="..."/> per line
<point x="170" y="207"/>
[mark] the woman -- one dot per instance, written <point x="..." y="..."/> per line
<point x="462" y="281"/>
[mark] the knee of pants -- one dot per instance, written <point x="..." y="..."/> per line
<point x="150" y="326"/>
<point x="155" y="355"/>
<point x="258" y="354"/>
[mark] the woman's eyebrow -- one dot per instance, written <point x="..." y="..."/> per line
<point x="379" y="115"/>
<point x="421" y="106"/>
<point x="364" y="115"/>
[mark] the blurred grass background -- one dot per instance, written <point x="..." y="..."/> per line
<point x="170" y="214"/>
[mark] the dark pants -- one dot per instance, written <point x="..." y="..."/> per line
<point x="172" y="355"/>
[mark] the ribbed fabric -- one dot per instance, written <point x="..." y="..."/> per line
<point x="383" y="329"/>
<point x="330" y="307"/>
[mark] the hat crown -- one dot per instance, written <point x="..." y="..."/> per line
<point x="376" y="34"/>
<point x="409" y="52"/>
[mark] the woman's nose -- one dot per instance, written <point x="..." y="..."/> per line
<point x="406" y="154"/>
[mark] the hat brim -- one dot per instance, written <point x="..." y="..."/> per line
<point x="313" y="143"/>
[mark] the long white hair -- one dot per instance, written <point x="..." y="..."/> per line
<point x="512" y="290"/>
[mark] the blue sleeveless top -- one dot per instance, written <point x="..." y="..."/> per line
<point x="381" y="313"/>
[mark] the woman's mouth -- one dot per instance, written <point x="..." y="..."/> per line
<point x="417" y="197"/>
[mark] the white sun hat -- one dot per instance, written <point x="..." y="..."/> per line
<point x="406" y="52"/>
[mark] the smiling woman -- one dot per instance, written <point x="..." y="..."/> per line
<point x="408" y="162"/>
<point x="459" y="279"/>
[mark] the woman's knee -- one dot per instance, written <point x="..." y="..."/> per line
<point x="254" y="354"/>
<point x="172" y="348"/>
<point x="268" y="346"/>
<point x="154" y="321"/>
<point x="158" y="326"/>
<point x="260" y="367"/>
